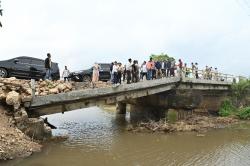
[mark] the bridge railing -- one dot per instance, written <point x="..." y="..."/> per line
<point x="212" y="75"/>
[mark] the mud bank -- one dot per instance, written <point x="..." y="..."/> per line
<point x="19" y="133"/>
<point x="192" y="123"/>
<point x="13" y="142"/>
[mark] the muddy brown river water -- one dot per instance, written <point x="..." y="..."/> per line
<point x="96" y="138"/>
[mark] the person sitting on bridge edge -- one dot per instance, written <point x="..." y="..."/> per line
<point x="65" y="74"/>
<point x="48" y="65"/>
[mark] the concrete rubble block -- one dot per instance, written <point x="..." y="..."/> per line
<point x="69" y="86"/>
<point x="61" y="87"/>
<point x="54" y="91"/>
<point x="26" y="99"/>
<point x="36" y="129"/>
<point x="2" y="95"/>
<point x="47" y="131"/>
<point x="21" y="118"/>
<point x="13" y="98"/>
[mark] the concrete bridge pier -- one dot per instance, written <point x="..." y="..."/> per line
<point x="139" y="112"/>
<point x="121" y="108"/>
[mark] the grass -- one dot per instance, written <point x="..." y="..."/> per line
<point x="244" y="113"/>
<point x="227" y="109"/>
<point x="172" y="116"/>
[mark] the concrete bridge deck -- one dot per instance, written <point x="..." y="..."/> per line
<point x="44" y="105"/>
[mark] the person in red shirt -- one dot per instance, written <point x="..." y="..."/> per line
<point x="150" y="66"/>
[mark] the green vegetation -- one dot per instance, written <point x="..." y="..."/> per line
<point x="244" y="113"/>
<point x="227" y="108"/>
<point x="240" y="92"/>
<point x="172" y="116"/>
<point x="237" y="104"/>
<point x="161" y="57"/>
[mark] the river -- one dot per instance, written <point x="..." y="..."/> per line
<point x="97" y="137"/>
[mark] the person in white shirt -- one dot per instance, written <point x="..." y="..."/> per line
<point x="129" y="70"/>
<point x="115" y="72"/>
<point x="144" y="70"/>
<point x="65" y="74"/>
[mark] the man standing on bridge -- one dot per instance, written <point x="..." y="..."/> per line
<point x="48" y="65"/>
<point x="150" y="66"/>
<point x="129" y="70"/>
<point x="196" y="71"/>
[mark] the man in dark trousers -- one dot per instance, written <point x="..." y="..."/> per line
<point x="168" y="67"/>
<point x="129" y="70"/>
<point x="48" y="65"/>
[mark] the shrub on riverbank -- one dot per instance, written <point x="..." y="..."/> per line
<point x="238" y="104"/>
<point x="227" y="108"/>
<point x="244" y="113"/>
<point x="240" y="91"/>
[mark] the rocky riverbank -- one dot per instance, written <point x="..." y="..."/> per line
<point x="13" y="142"/>
<point x="18" y="132"/>
<point x="42" y="88"/>
<point x="192" y="123"/>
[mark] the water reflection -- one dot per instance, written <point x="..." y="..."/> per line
<point x="96" y="137"/>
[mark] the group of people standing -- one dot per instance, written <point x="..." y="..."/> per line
<point x="133" y="72"/>
<point x="120" y="72"/>
<point x="48" y="68"/>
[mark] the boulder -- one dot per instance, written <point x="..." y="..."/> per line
<point x="13" y="98"/>
<point x="61" y="87"/>
<point x="69" y="86"/>
<point x="2" y="95"/>
<point x="54" y="91"/>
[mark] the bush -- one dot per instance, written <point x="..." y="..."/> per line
<point x="161" y="57"/>
<point x="244" y="113"/>
<point x="240" y="92"/>
<point x="227" y="108"/>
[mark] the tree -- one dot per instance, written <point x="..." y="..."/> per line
<point x="240" y="91"/>
<point x="161" y="57"/>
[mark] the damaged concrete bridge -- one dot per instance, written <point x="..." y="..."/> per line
<point x="144" y="98"/>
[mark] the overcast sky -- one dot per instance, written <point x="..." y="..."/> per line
<point x="80" y="32"/>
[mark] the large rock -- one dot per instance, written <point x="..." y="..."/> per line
<point x="53" y="91"/>
<point x="2" y="95"/>
<point x="61" y="87"/>
<point x="13" y="98"/>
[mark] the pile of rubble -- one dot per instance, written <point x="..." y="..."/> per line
<point x="13" y="142"/>
<point x="42" y="87"/>
<point x="17" y="130"/>
<point x="192" y="123"/>
<point x="23" y="87"/>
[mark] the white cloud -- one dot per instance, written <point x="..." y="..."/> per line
<point x="80" y="32"/>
